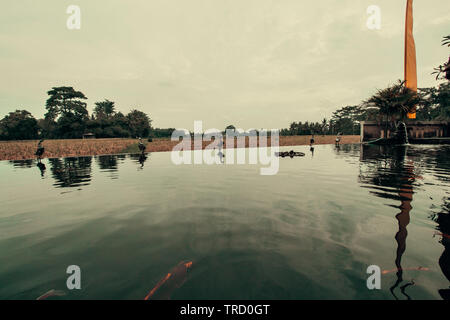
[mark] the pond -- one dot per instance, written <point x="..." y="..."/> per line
<point x="308" y="232"/>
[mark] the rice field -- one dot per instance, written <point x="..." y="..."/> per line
<point x="21" y="150"/>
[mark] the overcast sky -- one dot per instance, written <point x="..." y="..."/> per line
<point x="252" y="63"/>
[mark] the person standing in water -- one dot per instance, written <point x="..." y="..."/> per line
<point x="311" y="141"/>
<point x="40" y="150"/>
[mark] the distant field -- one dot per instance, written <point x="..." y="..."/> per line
<point x="19" y="150"/>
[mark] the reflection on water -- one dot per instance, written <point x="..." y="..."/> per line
<point x="140" y="158"/>
<point x="442" y="218"/>
<point x="71" y="172"/>
<point x="23" y="163"/>
<point x="76" y="171"/>
<point x="307" y="233"/>
<point x="110" y="164"/>
<point x="391" y="172"/>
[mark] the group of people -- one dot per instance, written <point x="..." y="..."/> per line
<point x="337" y="141"/>
<point x="40" y="149"/>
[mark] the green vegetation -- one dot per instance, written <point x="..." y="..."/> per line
<point x="67" y="117"/>
<point x="443" y="71"/>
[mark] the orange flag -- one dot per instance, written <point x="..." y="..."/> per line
<point x="410" y="54"/>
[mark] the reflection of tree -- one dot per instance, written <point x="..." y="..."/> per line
<point x="22" y="163"/>
<point x="388" y="171"/>
<point x="71" y="172"/>
<point x="107" y="162"/>
<point x="29" y="164"/>
<point x="442" y="218"/>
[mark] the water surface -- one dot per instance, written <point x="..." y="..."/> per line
<point x="309" y="232"/>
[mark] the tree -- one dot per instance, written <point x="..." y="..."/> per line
<point x="104" y="109"/>
<point x="68" y="105"/>
<point x="435" y="103"/>
<point x="394" y="102"/>
<point x="65" y="101"/>
<point x="346" y="119"/>
<point x="445" y="68"/>
<point x="138" y="123"/>
<point x="19" y="125"/>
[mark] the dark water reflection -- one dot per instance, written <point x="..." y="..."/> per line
<point x="307" y="233"/>
<point x="392" y="173"/>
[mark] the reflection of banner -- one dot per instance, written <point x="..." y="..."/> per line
<point x="410" y="54"/>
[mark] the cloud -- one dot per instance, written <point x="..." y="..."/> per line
<point x="260" y="62"/>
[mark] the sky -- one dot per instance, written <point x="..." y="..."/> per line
<point x="250" y="63"/>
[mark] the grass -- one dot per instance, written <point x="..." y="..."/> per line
<point x="20" y="150"/>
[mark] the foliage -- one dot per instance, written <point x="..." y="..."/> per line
<point x="138" y="123"/>
<point x="435" y="103"/>
<point x="444" y="68"/>
<point x="18" y="125"/>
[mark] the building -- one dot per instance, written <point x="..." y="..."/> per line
<point x="371" y="130"/>
<point x="89" y="135"/>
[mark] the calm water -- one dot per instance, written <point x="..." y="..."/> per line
<point x="309" y="232"/>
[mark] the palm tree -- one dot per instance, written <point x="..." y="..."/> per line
<point x="394" y="102"/>
<point x="445" y="68"/>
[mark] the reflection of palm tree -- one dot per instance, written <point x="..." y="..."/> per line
<point x="443" y="220"/>
<point x="398" y="175"/>
<point x="405" y="193"/>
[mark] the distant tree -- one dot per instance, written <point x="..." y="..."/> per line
<point x="427" y="110"/>
<point x="162" y="133"/>
<point x="68" y="105"/>
<point x="139" y="124"/>
<point x="346" y="119"/>
<point x="65" y="101"/>
<point x="435" y="103"/>
<point x="19" y="125"/>
<point x="442" y="101"/>
<point x="104" y="109"/>
<point x="47" y="128"/>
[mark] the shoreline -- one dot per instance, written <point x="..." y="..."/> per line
<point x="62" y="148"/>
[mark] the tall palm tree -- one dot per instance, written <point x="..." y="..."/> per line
<point x="394" y="102"/>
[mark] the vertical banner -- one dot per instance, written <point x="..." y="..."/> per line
<point x="410" y="54"/>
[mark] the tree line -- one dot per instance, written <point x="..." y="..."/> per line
<point x="386" y="106"/>
<point x="67" y="117"/>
